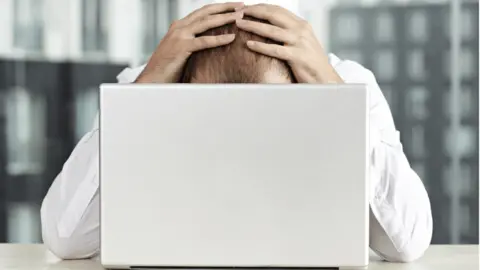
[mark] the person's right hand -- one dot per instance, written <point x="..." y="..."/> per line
<point x="167" y="62"/>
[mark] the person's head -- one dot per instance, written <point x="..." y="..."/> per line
<point x="235" y="63"/>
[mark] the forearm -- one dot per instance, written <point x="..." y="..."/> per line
<point x="401" y="219"/>
<point x="69" y="213"/>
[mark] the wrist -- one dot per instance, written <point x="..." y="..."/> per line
<point x="143" y="78"/>
<point x="327" y="73"/>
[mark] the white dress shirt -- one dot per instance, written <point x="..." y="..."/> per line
<point x="400" y="212"/>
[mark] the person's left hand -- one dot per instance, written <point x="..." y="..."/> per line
<point x="301" y="48"/>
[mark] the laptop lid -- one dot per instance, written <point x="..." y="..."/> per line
<point x="234" y="175"/>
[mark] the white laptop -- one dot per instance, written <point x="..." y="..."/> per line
<point x="234" y="176"/>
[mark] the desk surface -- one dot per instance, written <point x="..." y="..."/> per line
<point x="36" y="257"/>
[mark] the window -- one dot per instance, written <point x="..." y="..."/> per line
<point x="348" y="27"/>
<point x="416" y="107"/>
<point x="94" y="26"/>
<point x="467" y="103"/>
<point x="385" y="65"/>
<point x="417" y="26"/>
<point x="86" y="108"/>
<point x="417" y="143"/>
<point x="155" y="23"/>
<point x="463" y="144"/>
<point x="416" y="64"/>
<point x="28" y="25"/>
<point x="25" y="115"/>
<point x="385" y="27"/>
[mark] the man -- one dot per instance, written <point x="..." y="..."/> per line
<point x="282" y="51"/>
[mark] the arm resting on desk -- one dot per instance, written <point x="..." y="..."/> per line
<point x="70" y="211"/>
<point x="401" y="217"/>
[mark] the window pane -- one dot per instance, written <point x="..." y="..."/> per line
<point x="416" y="65"/>
<point x="467" y="103"/>
<point x="25" y="132"/>
<point x="23" y="223"/>
<point x="155" y="21"/>
<point x="86" y="108"/>
<point x="149" y="18"/>
<point x="28" y="25"/>
<point x="385" y="65"/>
<point x="349" y="27"/>
<point x="385" y="27"/>
<point x="417" y="143"/>
<point x="461" y="142"/>
<point x="94" y="26"/>
<point x="467" y="23"/>
<point x="416" y="103"/>
<point x="417" y="26"/>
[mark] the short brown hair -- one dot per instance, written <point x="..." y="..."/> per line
<point x="233" y="63"/>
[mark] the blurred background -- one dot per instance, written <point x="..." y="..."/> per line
<point x="55" y="53"/>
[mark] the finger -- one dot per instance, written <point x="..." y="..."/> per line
<point x="213" y="21"/>
<point x="211" y="9"/>
<point x="274" y="14"/>
<point x="207" y="42"/>
<point x="267" y="30"/>
<point x="272" y="50"/>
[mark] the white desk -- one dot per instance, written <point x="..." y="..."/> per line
<point x="36" y="257"/>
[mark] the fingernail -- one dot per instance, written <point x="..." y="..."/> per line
<point x="250" y="43"/>
<point x="239" y="21"/>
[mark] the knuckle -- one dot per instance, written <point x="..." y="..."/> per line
<point x="301" y="39"/>
<point x="276" y="32"/>
<point x="174" y="24"/>
<point x="202" y="42"/>
<point x="217" y="39"/>
<point x="262" y="7"/>
<point x="178" y="34"/>
<point x="278" y="50"/>
<point x="305" y="25"/>
<point x="305" y="28"/>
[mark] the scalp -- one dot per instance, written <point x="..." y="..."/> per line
<point x="233" y="63"/>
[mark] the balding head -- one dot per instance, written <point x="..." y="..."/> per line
<point x="235" y="63"/>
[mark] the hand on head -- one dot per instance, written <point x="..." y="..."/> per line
<point x="300" y="48"/>
<point x="268" y="41"/>
<point x="167" y="62"/>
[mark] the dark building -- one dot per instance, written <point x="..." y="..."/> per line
<point x="51" y="90"/>
<point x="408" y="49"/>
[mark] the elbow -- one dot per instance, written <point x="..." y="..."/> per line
<point x="408" y="246"/>
<point x="68" y="248"/>
<point x="406" y="256"/>
<point x="412" y="252"/>
<point x="71" y="247"/>
<point x="63" y="248"/>
<point x="416" y="249"/>
<point x="417" y="243"/>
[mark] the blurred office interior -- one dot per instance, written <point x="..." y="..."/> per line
<point x="55" y="53"/>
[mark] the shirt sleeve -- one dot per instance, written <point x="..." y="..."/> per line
<point x="400" y="211"/>
<point x="70" y="210"/>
